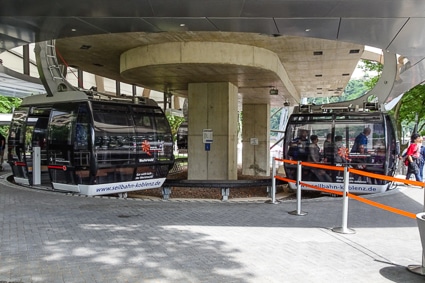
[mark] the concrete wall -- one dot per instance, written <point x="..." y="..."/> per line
<point x="215" y="109"/>
<point x="256" y="139"/>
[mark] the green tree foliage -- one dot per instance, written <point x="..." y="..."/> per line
<point x="274" y="120"/>
<point x="369" y="67"/>
<point x="175" y="122"/>
<point x="412" y="103"/>
<point x="7" y="104"/>
<point x="354" y="89"/>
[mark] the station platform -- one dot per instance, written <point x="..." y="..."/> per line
<point x="47" y="236"/>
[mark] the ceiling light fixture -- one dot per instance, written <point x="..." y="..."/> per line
<point x="274" y="91"/>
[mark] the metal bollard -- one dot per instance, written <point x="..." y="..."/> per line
<point x="420" y="269"/>
<point x="343" y="229"/>
<point x="36" y="168"/>
<point x="298" y="211"/>
<point x="273" y="192"/>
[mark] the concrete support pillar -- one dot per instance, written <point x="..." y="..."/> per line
<point x="146" y="92"/>
<point x="176" y="100"/>
<point x="80" y="78"/>
<point x="213" y="106"/>
<point x="100" y="83"/>
<point x="117" y="88"/>
<point x="256" y="139"/>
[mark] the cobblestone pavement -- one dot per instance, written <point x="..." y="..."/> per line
<point x="53" y="237"/>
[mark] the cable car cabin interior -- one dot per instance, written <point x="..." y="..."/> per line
<point x="92" y="147"/>
<point x="182" y="138"/>
<point x="330" y="138"/>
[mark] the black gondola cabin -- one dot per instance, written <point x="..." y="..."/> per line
<point x="90" y="146"/>
<point x="336" y="145"/>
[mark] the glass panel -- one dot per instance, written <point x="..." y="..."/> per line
<point x="114" y="132"/>
<point x="154" y="141"/>
<point x="60" y="131"/>
<point x="39" y="117"/>
<point x="145" y="138"/>
<point x="306" y="142"/>
<point x="359" y="141"/>
<point x="393" y="146"/>
<point x="61" y="125"/>
<point x="182" y="137"/>
<point x="153" y="138"/>
<point x="16" y="139"/>
<point x="82" y="143"/>
<point x="164" y="136"/>
<point x="16" y="143"/>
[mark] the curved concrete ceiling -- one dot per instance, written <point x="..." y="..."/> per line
<point x="297" y="31"/>
<point x="180" y="64"/>
<point x="308" y="67"/>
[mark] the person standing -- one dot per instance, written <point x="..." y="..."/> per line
<point x="328" y="149"/>
<point x="421" y="161"/>
<point x="361" y="139"/>
<point x="413" y="157"/>
<point x="2" y="147"/>
<point x="315" y="157"/>
<point x="314" y="150"/>
<point x="298" y="149"/>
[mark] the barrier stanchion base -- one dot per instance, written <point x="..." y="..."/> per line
<point x="295" y="212"/>
<point x="343" y="230"/>
<point x="272" y="202"/>
<point x="417" y="269"/>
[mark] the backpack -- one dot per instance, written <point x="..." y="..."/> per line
<point x="404" y="156"/>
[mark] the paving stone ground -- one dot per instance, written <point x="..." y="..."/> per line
<point x="53" y="237"/>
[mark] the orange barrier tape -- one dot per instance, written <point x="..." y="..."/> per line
<point x="323" y="166"/>
<point x="309" y="164"/>
<point x="287" y="161"/>
<point x="355" y="171"/>
<point x="385" y="177"/>
<point x="384" y="207"/>
<point x="285" y="179"/>
<point x="356" y="197"/>
<point x="366" y="201"/>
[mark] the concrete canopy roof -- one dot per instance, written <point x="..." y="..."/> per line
<point x="100" y="54"/>
<point x="294" y="30"/>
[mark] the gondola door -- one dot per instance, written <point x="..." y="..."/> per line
<point x="68" y="145"/>
<point x="17" y="146"/>
<point x="36" y="130"/>
<point x="28" y="130"/>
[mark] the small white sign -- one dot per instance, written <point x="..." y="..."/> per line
<point x="254" y="141"/>
<point x="207" y="135"/>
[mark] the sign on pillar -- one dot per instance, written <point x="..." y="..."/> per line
<point x="207" y="138"/>
<point x="254" y="141"/>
